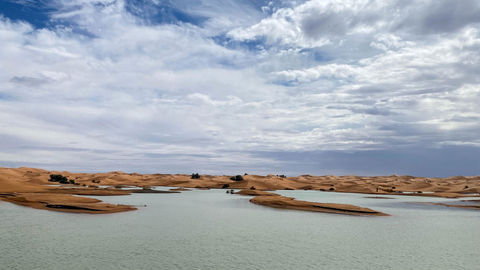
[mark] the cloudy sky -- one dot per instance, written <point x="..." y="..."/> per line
<point x="231" y="86"/>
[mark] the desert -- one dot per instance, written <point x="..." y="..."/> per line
<point x="34" y="188"/>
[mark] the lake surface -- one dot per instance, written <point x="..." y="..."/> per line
<point x="209" y="229"/>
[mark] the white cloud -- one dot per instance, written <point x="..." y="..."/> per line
<point x="110" y="88"/>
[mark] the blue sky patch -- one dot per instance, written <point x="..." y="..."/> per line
<point x="37" y="15"/>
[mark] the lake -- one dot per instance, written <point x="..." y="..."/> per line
<point x="209" y="229"/>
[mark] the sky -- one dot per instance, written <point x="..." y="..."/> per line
<point x="320" y="87"/>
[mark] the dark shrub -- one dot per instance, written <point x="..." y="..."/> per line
<point x="226" y="186"/>
<point x="237" y="178"/>
<point x="287" y="188"/>
<point x="282" y="176"/>
<point x="58" y="178"/>
<point x="252" y="188"/>
<point x="246" y="174"/>
<point x="195" y="176"/>
<point x="72" y="182"/>
<point x="331" y="189"/>
<point x="419" y="192"/>
<point x="466" y="186"/>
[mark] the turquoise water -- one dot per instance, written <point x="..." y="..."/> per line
<point x="209" y="229"/>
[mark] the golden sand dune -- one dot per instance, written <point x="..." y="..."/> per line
<point x="65" y="203"/>
<point x="335" y="208"/>
<point x="30" y="180"/>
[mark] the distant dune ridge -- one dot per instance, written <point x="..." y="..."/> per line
<point x="31" y="187"/>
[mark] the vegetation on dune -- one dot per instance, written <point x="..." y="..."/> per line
<point x="60" y="179"/>
<point x="195" y="176"/>
<point x="226" y="186"/>
<point x="237" y="178"/>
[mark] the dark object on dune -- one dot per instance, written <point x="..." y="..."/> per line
<point x="195" y="176"/>
<point x="252" y="188"/>
<point x="331" y="189"/>
<point x="153" y="191"/>
<point x="226" y="186"/>
<point x="287" y="188"/>
<point x="70" y="207"/>
<point x="58" y="178"/>
<point x="237" y="178"/>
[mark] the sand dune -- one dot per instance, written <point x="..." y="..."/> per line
<point x="30" y="180"/>
<point x="335" y="208"/>
<point x="65" y="203"/>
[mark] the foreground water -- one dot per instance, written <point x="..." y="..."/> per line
<point x="214" y="230"/>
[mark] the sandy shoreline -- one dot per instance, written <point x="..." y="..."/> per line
<point x="31" y="187"/>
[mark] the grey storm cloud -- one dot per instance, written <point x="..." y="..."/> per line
<point x="442" y="16"/>
<point x="30" y="81"/>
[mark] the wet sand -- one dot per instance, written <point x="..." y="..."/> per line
<point x="474" y="207"/>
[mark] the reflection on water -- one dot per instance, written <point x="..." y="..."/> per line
<point x="209" y="229"/>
